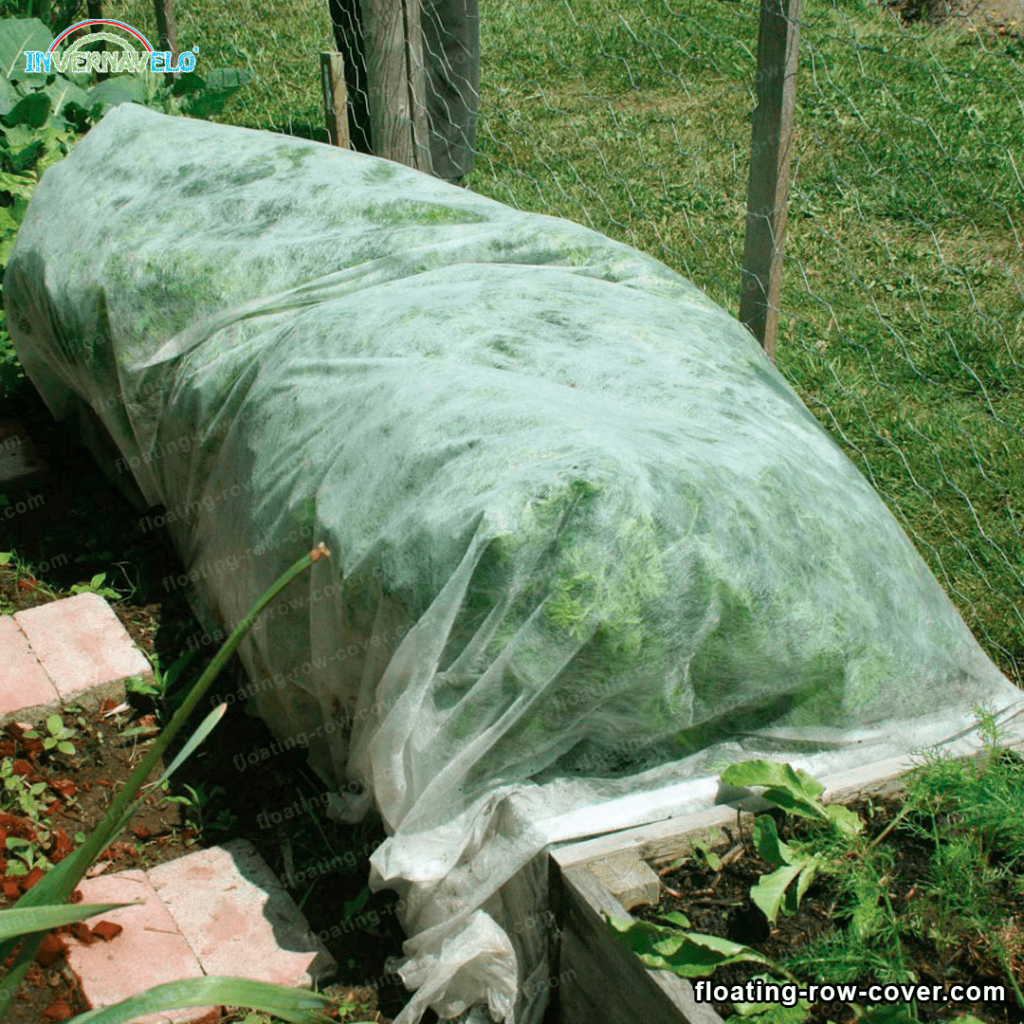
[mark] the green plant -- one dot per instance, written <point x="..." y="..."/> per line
<point x="197" y="806"/>
<point x="42" y="907"/>
<point x="19" y="794"/>
<point x="971" y="813"/>
<point x="96" y="586"/>
<point x="43" y="114"/>
<point x="58" y="736"/>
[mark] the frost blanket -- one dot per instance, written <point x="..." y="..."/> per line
<point x="587" y="543"/>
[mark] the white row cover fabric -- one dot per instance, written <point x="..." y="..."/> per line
<point x="588" y="546"/>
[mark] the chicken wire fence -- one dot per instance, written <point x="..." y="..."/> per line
<point x="901" y="317"/>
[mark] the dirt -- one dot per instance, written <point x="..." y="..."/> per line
<point x="78" y="526"/>
<point x="718" y="903"/>
<point x="1003" y="18"/>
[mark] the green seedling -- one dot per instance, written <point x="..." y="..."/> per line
<point x="58" y="735"/>
<point x="19" y="795"/>
<point x="24" y="856"/>
<point x="713" y="861"/>
<point x="96" y="586"/>
<point x="197" y="804"/>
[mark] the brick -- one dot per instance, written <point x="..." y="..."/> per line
<point x="23" y="681"/>
<point x="149" y="951"/>
<point x="239" y="919"/>
<point x="82" y="645"/>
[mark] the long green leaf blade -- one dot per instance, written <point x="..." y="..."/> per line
<point x="16" y="921"/>
<point x="297" y="1006"/>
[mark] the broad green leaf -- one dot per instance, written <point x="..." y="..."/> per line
<point x="845" y="820"/>
<point x="119" y="89"/>
<point x="770" y="890"/>
<point x="791" y="789"/>
<point x="218" y="88"/>
<point x="676" y="918"/>
<point x="18" y="185"/>
<point x="767" y="843"/>
<point x="8" y="95"/>
<point x="16" y="921"/>
<point x="769" y="1013"/>
<point x="688" y="954"/>
<point x="297" y="1006"/>
<point x="16" y="36"/>
<point x="25" y="156"/>
<point x="803" y="883"/>
<point x="33" y="110"/>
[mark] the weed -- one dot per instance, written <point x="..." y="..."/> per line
<point x="201" y="812"/>
<point x="96" y="586"/>
<point x="43" y="906"/>
<point x="58" y="736"/>
<point x="18" y="794"/>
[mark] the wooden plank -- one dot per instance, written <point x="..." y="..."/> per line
<point x="629" y="878"/>
<point x="395" y="81"/>
<point x="599" y="978"/>
<point x="665" y="840"/>
<point x="332" y="80"/>
<point x="770" y="147"/>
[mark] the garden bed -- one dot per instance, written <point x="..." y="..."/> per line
<point x="958" y="913"/>
<point x="80" y="527"/>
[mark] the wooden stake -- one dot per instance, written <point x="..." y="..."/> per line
<point x="332" y="78"/>
<point x="761" y="278"/>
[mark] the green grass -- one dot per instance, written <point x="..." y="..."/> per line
<point x="902" y="320"/>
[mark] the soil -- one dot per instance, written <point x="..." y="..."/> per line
<point x="79" y="525"/>
<point x="1003" y="18"/>
<point x="718" y="903"/>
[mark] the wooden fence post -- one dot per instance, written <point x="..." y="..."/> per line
<point x="395" y="81"/>
<point x="332" y="78"/>
<point x="167" y="31"/>
<point x="94" y="12"/>
<point x="761" y="278"/>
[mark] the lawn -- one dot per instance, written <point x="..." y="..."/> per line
<point x="902" y="312"/>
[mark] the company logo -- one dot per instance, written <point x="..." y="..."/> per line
<point x="114" y="62"/>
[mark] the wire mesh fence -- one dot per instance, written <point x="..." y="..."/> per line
<point x="901" y="318"/>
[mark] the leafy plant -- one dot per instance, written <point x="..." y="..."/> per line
<point x="22" y="928"/>
<point x="58" y="736"/>
<point x="198" y="804"/>
<point x="43" y="114"/>
<point x="20" y="795"/>
<point x="971" y="813"/>
<point x="96" y="586"/>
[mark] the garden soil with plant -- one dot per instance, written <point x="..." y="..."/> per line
<point x="718" y="902"/>
<point x="79" y="526"/>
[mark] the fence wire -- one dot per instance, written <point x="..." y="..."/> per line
<point x="901" y="319"/>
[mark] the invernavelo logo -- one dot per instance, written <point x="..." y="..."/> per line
<point x="74" y="60"/>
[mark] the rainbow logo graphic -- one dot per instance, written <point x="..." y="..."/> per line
<point x="115" y="62"/>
